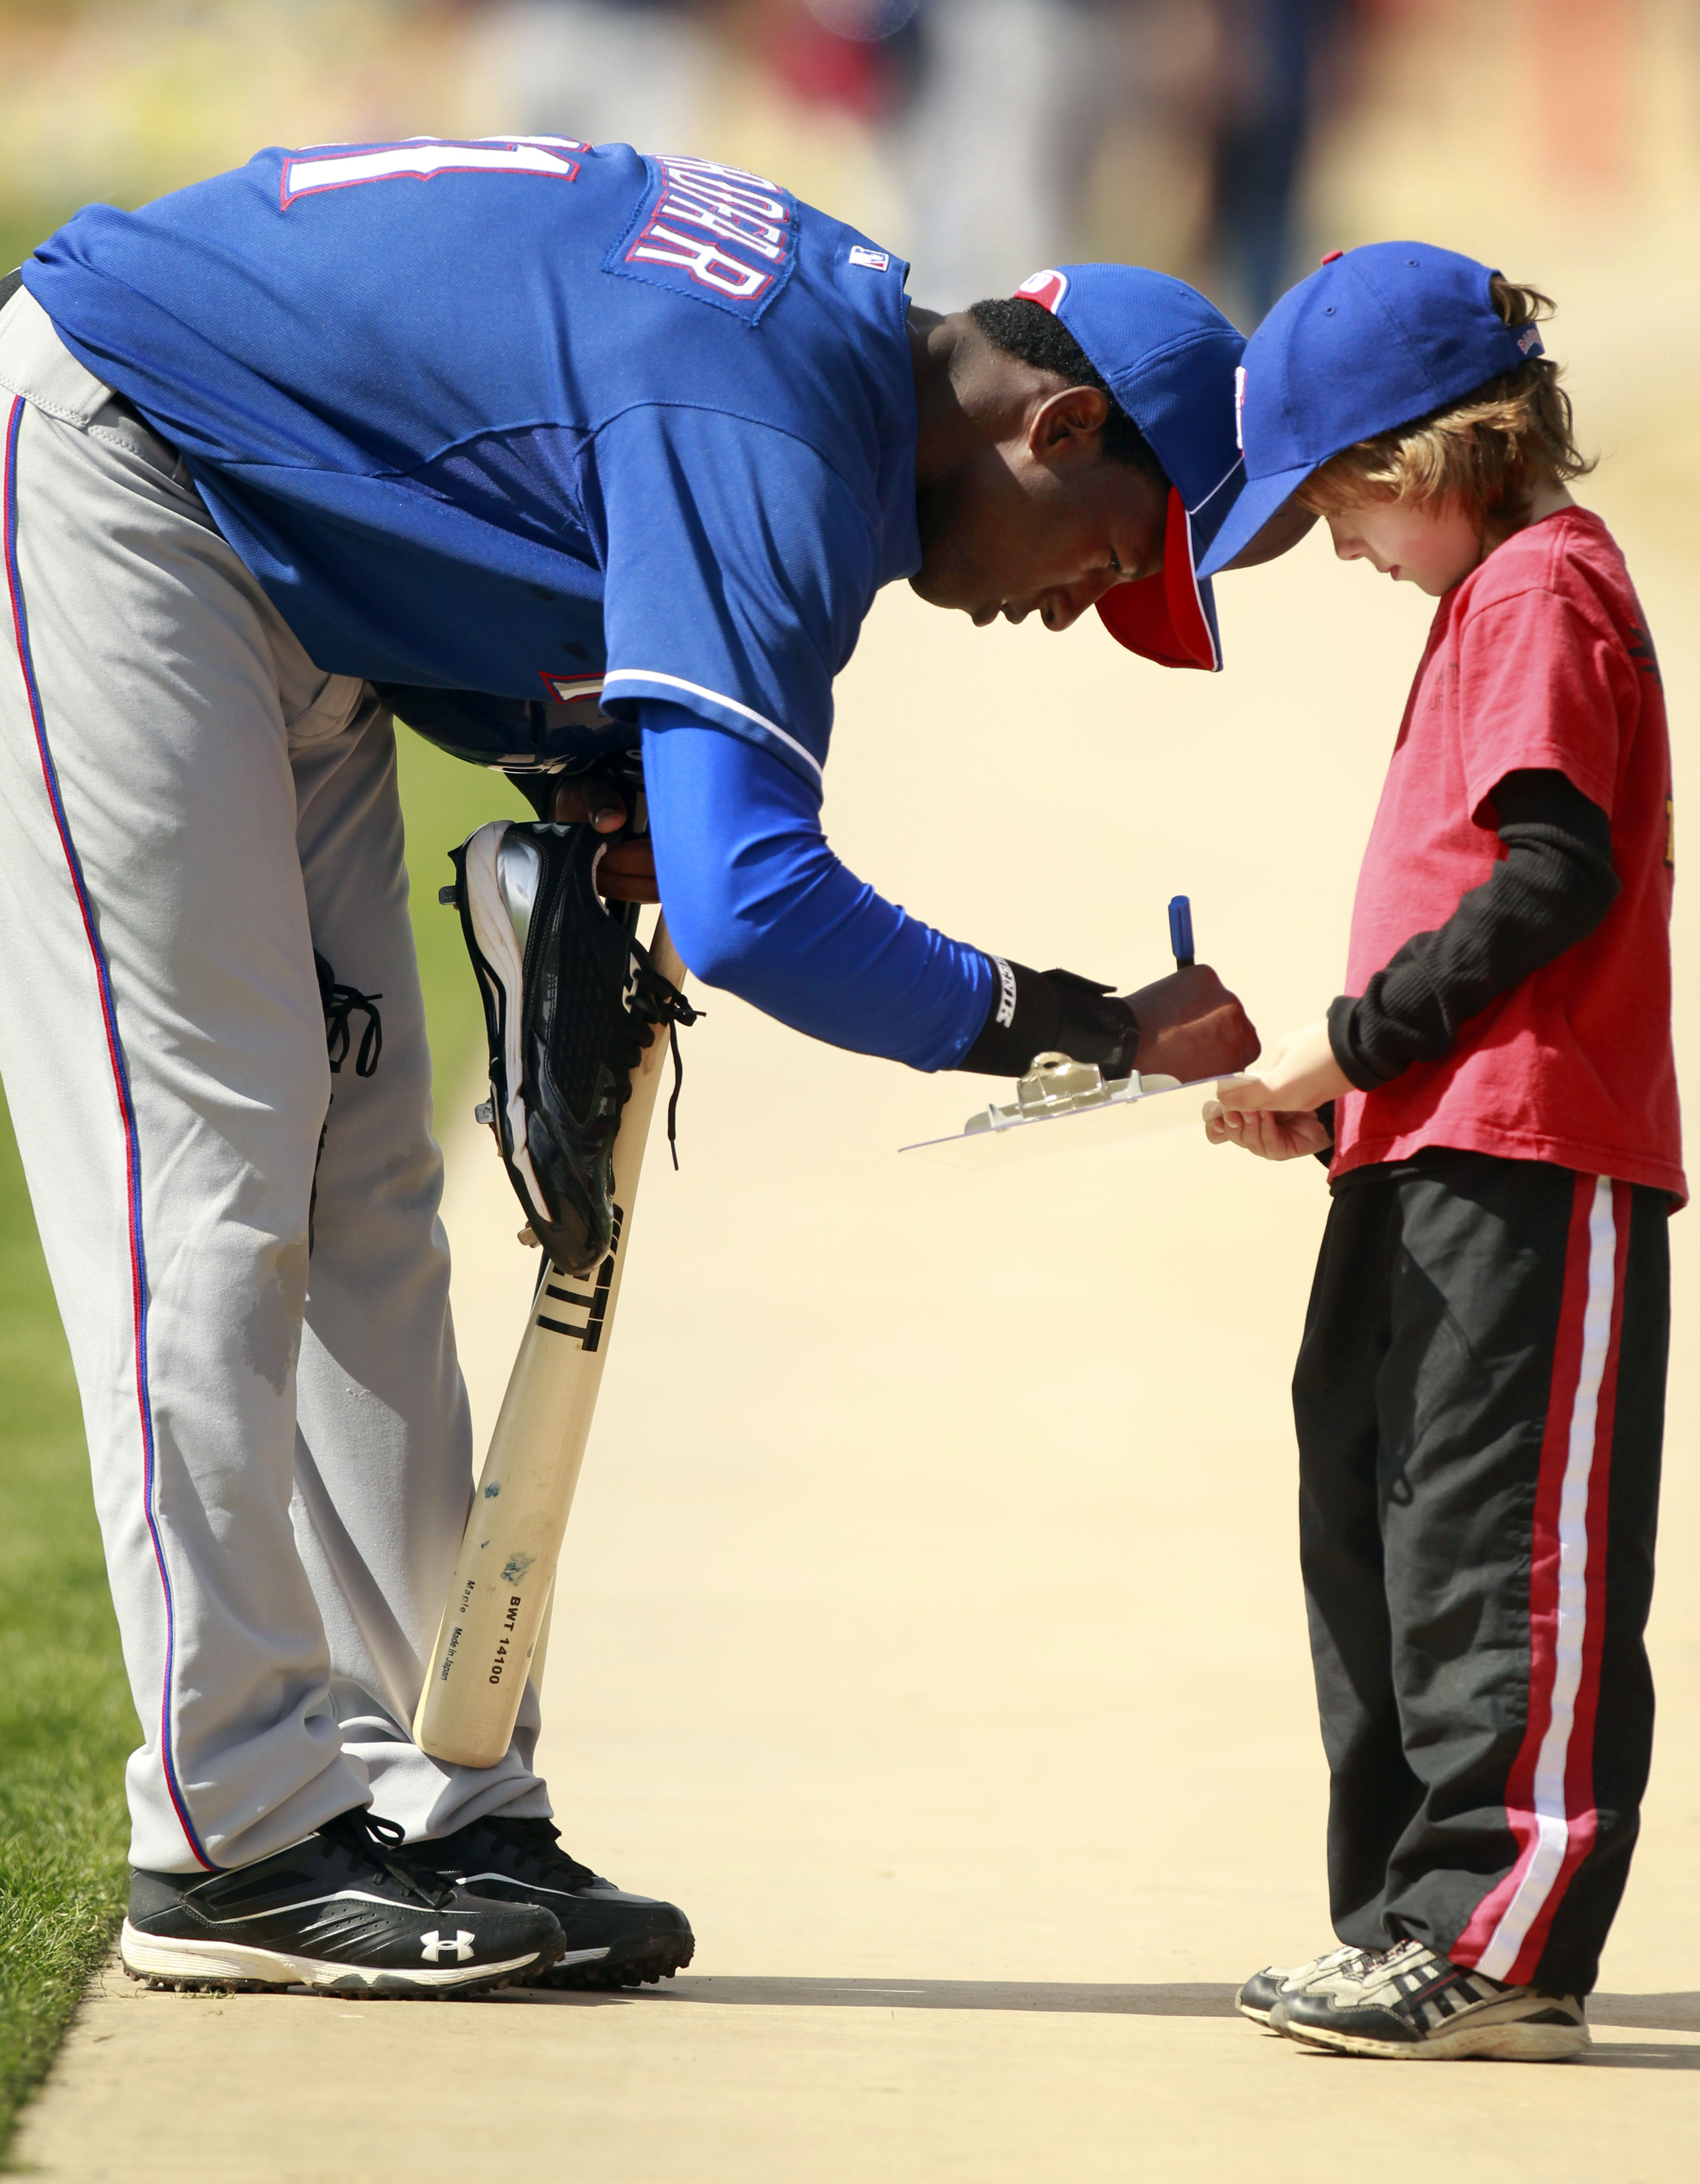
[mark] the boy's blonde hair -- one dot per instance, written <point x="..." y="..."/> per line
<point x="1488" y="452"/>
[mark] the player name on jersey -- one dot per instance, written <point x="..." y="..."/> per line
<point x="714" y="232"/>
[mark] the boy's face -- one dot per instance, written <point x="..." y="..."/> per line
<point x="1432" y="546"/>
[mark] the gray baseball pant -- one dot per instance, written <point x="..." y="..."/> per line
<point x="281" y="1444"/>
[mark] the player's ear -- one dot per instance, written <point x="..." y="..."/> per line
<point x="1067" y="423"/>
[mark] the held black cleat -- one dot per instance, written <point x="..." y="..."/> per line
<point x="612" y="1939"/>
<point x="571" y="1002"/>
<point x="1412" y="2005"/>
<point x="342" y="1912"/>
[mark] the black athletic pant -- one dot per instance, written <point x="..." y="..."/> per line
<point x="1480" y="1401"/>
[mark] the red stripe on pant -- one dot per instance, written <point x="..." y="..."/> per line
<point x="1550" y="1793"/>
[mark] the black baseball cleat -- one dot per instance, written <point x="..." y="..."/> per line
<point x="571" y="1002"/>
<point x="612" y="1939"/>
<point x="1413" y="2005"/>
<point x="342" y="1912"/>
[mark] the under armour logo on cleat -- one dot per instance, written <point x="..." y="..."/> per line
<point x="433" y="1945"/>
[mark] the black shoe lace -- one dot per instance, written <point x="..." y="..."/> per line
<point x="534" y="1846"/>
<point x="373" y="1841"/>
<point x="339" y="1003"/>
<point x="655" y="1001"/>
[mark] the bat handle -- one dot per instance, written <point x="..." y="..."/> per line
<point x="1180" y="932"/>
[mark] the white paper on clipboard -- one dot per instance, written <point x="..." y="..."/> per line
<point x="1067" y="1110"/>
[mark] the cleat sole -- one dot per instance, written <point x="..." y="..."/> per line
<point x="196" y="1967"/>
<point x="502" y="967"/>
<point x="644" y="1964"/>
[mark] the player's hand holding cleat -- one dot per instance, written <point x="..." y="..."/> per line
<point x="1271" y="1110"/>
<point x="1191" y="1027"/>
<point x="626" y="872"/>
<point x="571" y="1001"/>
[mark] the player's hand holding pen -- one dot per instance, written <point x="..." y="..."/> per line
<point x="1190" y="1026"/>
<point x="1271" y="1110"/>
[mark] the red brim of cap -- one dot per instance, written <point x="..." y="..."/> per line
<point x="1163" y="617"/>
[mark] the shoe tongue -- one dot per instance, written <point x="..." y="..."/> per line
<point x="377" y="1843"/>
<point x="535" y="1835"/>
<point x="542" y="1838"/>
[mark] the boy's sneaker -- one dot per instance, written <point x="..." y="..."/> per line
<point x="1276" y="1983"/>
<point x="1415" y="2006"/>
<point x="342" y="1912"/>
<point x="571" y="1002"/>
<point x="612" y="1939"/>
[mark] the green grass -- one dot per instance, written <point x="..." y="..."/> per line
<point x="66" y="1724"/>
<point x="66" y="1719"/>
<point x="23" y="226"/>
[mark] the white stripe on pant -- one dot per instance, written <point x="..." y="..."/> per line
<point x="1560" y="1669"/>
<point x="227" y="807"/>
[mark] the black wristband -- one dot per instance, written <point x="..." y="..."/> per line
<point x="1096" y="1026"/>
<point x="1051" y="1012"/>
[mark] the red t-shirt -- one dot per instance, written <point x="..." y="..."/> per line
<point x="1540" y="658"/>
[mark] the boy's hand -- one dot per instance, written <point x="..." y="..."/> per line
<point x="1301" y="1072"/>
<point x="1271" y="1110"/>
<point x="1268" y="1132"/>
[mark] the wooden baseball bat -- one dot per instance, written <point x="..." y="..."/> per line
<point x="498" y="1598"/>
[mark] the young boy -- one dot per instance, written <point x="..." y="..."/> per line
<point x="1480" y="1393"/>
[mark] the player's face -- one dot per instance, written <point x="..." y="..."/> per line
<point x="1041" y="523"/>
<point x="1432" y="547"/>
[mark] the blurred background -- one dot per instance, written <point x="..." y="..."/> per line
<point x="1231" y="142"/>
<point x="1224" y="139"/>
<point x="1227" y="140"/>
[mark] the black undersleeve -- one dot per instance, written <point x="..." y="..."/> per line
<point x="1040" y="1012"/>
<point x="1553" y="886"/>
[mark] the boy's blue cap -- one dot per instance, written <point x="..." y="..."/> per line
<point x="1169" y="357"/>
<point x="1373" y="338"/>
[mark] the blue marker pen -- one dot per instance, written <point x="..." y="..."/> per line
<point x="1180" y="932"/>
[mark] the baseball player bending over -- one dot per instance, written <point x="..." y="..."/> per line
<point x="580" y="460"/>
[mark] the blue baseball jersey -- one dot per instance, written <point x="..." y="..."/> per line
<point x="527" y="417"/>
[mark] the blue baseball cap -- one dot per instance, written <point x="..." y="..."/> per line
<point x="1373" y="338"/>
<point x="1169" y="357"/>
